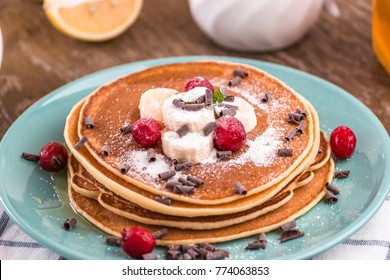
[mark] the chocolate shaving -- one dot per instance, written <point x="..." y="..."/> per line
<point x="291" y="134"/>
<point x="151" y="155"/>
<point x="80" y="143"/>
<point x="288" y="226"/>
<point x="174" y="162"/>
<point x="70" y="223"/>
<point x="285" y="152"/>
<point x="149" y="256"/>
<point x="240" y="188"/>
<point x="186" y="182"/>
<point x="224" y="155"/>
<point x="235" y="81"/>
<point x="193" y="107"/>
<point x="330" y="197"/>
<point x="201" y="99"/>
<point x="183" y="130"/>
<point x="226" y="96"/>
<point x="262" y="237"/>
<point x="30" y="157"/>
<point x="183" y="166"/>
<point x="163" y="200"/>
<point x="227" y="105"/>
<point x="208" y="128"/>
<point x="342" y="174"/>
<point x="295" y="118"/>
<point x="198" y="182"/>
<point x="332" y="188"/>
<point x="124" y="168"/>
<point x="89" y="123"/>
<point x="172" y="255"/>
<point x="166" y="174"/>
<point x="300" y="111"/>
<point x="126" y="129"/>
<point x="113" y="241"/>
<point x="240" y="72"/>
<point x="301" y="127"/>
<point x="187" y="257"/>
<point x="171" y="185"/>
<point x="255" y="245"/>
<point x="217" y="254"/>
<point x="194" y="254"/>
<point x="290" y="234"/>
<point x="266" y="97"/>
<point x="178" y="103"/>
<point x="208" y="97"/>
<point x="228" y="112"/>
<point x="160" y="233"/>
<point x="105" y="150"/>
<point x="183" y="189"/>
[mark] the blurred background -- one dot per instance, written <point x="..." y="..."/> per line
<point x="336" y="46"/>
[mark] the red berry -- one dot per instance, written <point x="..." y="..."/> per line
<point x="342" y="142"/>
<point x="53" y="157"/>
<point x="198" y="82"/>
<point x="146" y="132"/>
<point x="137" y="241"/>
<point x="229" y="134"/>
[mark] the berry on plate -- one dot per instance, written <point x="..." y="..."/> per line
<point x="342" y="142"/>
<point x="198" y="82"/>
<point x="229" y="134"/>
<point x="146" y="132"/>
<point x="137" y="241"/>
<point x="52" y="157"/>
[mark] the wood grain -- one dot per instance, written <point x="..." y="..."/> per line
<point x="39" y="59"/>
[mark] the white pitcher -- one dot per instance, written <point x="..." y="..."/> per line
<point x="257" y="25"/>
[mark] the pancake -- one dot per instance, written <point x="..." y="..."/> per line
<point x="147" y="200"/>
<point x="303" y="200"/>
<point x="116" y="104"/>
<point x="323" y="154"/>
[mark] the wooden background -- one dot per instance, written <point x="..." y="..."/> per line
<point x="39" y="59"/>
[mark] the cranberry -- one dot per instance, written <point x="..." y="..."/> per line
<point x="229" y="134"/>
<point x="342" y="142"/>
<point x="137" y="241"/>
<point x="52" y="157"/>
<point x="146" y="132"/>
<point x="198" y="82"/>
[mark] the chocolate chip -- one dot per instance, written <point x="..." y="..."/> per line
<point x="290" y="234"/>
<point x="126" y="129"/>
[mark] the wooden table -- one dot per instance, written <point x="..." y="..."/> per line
<point x="39" y="59"/>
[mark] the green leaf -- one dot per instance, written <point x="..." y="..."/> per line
<point x="218" y="96"/>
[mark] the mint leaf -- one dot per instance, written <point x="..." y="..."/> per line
<point x="218" y="96"/>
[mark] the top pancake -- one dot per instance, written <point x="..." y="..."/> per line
<point x="114" y="105"/>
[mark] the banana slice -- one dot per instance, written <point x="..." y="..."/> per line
<point x="174" y="117"/>
<point x="245" y="112"/>
<point x="193" y="147"/>
<point x="151" y="101"/>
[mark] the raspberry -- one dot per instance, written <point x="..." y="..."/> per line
<point x="146" y="132"/>
<point x="52" y="157"/>
<point x="229" y="134"/>
<point x="198" y="82"/>
<point x="137" y="241"/>
<point x="342" y="142"/>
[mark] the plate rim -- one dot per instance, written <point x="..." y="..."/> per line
<point x="132" y="67"/>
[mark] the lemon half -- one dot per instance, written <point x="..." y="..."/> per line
<point x="92" y="20"/>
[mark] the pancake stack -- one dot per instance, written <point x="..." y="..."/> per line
<point x="114" y="184"/>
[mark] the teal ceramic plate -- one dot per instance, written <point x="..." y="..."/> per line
<point x="38" y="203"/>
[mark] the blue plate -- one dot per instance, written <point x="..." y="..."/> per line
<point x="38" y="203"/>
